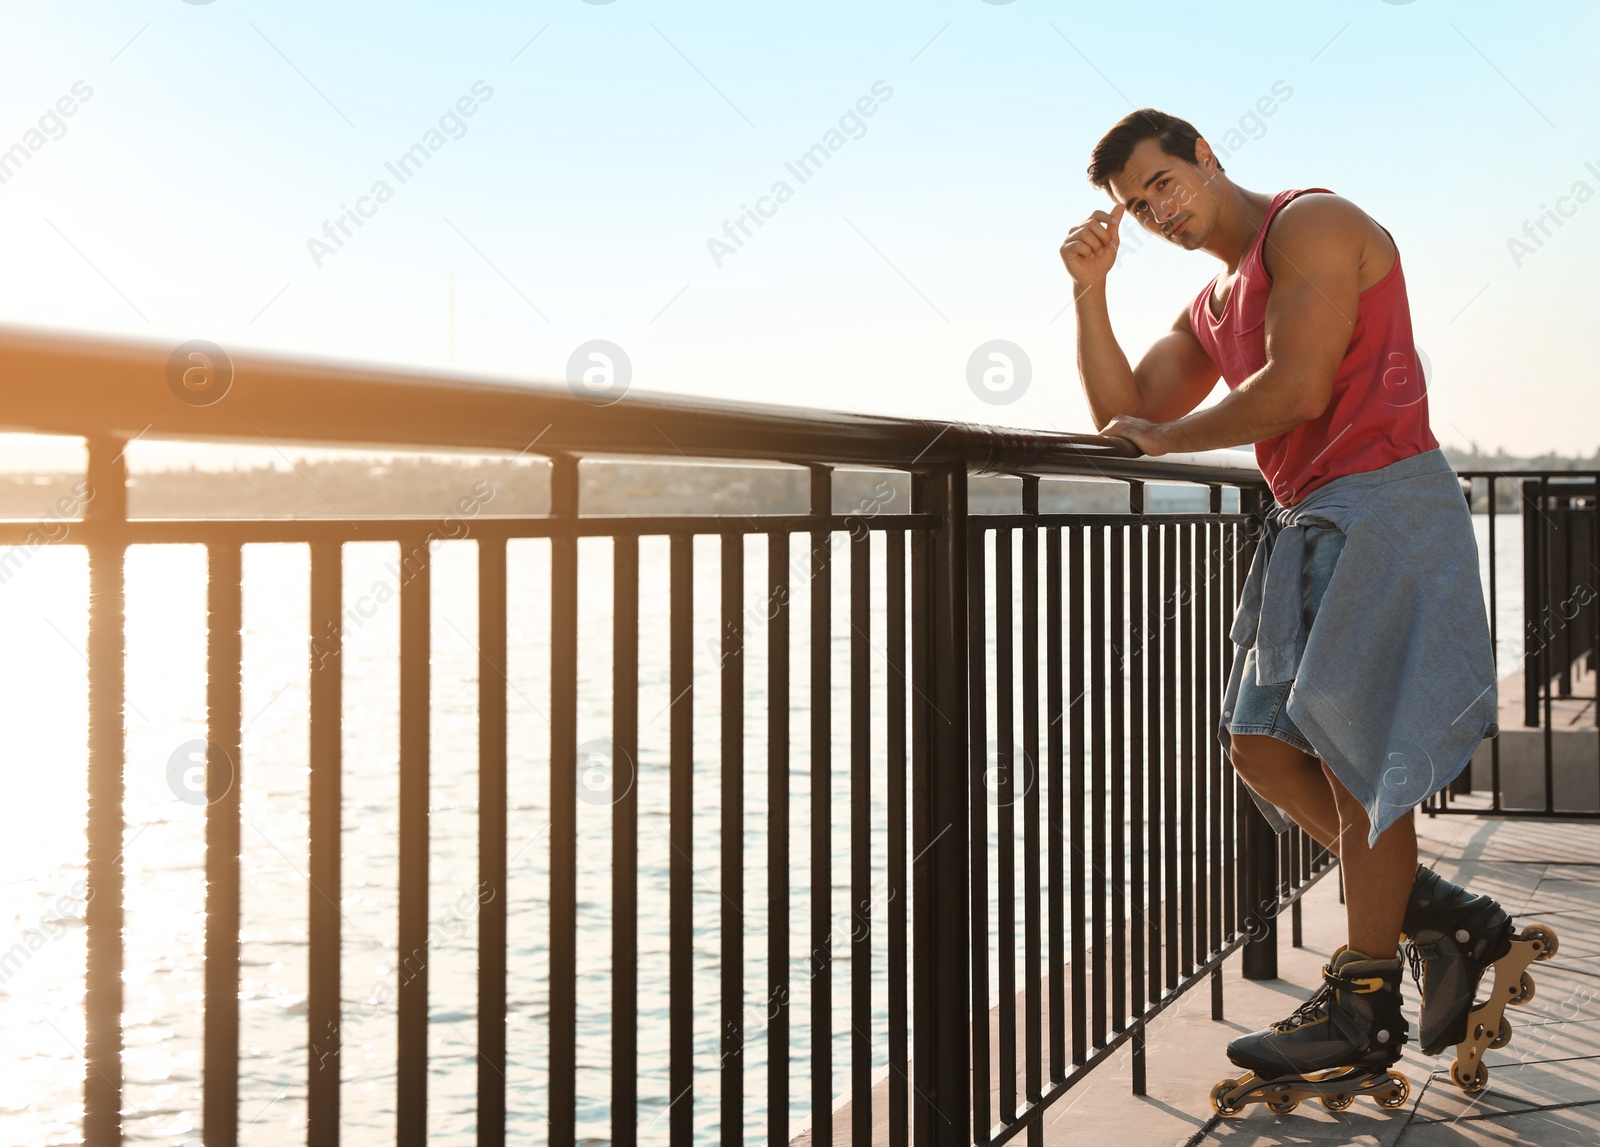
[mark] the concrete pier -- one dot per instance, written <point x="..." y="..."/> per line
<point x="1544" y="1087"/>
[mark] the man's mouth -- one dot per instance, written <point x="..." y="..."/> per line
<point x="1173" y="231"/>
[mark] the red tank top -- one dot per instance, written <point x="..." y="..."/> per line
<point x="1378" y="411"/>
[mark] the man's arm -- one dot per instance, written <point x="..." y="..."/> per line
<point x="1315" y="255"/>
<point x="1175" y="373"/>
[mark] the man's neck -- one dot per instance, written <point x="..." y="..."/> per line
<point x="1238" y="224"/>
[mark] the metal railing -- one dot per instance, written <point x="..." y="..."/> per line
<point x="1155" y="853"/>
<point x="1546" y="761"/>
<point x="1095" y="669"/>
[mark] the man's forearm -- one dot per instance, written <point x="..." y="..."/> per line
<point x="1266" y="404"/>
<point x="1108" y="381"/>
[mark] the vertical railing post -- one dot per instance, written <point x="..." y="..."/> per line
<point x="1259" y="844"/>
<point x="733" y="822"/>
<point x="562" y="1118"/>
<point x="1261" y="879"/>
<point x="1561" y="583"/>
<point x="821" y="805"/>
<point x="1533" y="599"/>
<point x="1547" y="602"/>
<point x="411" y="1002"/>
<point x="220" y="1100"/>
<point x="680" y="872"/>
<point x="1492" y="497"/>
<point x="324" y="847"/>
<point x="939" y="795"/>
<point x="1584" y="557"/>
<point x="1463" y="784"/>
<point x="778" y="806"/>
<point x="1592" y="614"/>
<point x="102" y="998"/>
<point x="1138" y="980"/>
<point x="492" y="860"/>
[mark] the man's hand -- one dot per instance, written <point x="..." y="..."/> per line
<point x="1090" y="248"/>
<point x="1146" y="435"/>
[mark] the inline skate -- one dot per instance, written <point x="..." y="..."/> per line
<point x="1337" y="1046"/>
<point x="1452" y="937"/>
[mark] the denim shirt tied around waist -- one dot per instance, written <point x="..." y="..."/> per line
<point x="1394" y="681"/>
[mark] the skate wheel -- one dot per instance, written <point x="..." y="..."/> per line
<point x="1398" y="1091"/>
<point x="1336" y="1102"/>
<point x="1470" y="1082"/>
<point x="1503" y="1036"/>
<point x="1219" y="1099"/>
<point x="1282" y="1106"/>
<point x="1547" y="940"/>
<point x="1523" y="992"/>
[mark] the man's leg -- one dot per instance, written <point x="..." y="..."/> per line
<point x="1377" y="880"/>
<point x="1293" y="780"/>
<point x="1353" y="1021"/>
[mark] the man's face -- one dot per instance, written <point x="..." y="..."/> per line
<point x="1170" y="197"/>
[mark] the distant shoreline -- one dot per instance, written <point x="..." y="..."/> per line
<point x="421" y="486"/>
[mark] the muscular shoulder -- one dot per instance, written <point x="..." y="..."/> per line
<point x="1321" y="227"/>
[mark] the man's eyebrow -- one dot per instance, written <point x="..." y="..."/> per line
<point x="1129" y="204"/>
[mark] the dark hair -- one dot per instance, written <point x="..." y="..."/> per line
<point x="1177" y="138"/>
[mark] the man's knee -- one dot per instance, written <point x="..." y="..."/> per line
<point x="1253" y="756"/>
<point x="1262" y="762"/>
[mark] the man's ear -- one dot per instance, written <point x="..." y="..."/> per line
<point x="1206" y="159"/>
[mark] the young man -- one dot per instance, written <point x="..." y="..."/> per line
<point x="1364" y="677"/>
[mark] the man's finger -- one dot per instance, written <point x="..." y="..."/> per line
<point x="1117" y="213"/>
<point x="1125" y="434"/>
<point x="1101" y="226"/>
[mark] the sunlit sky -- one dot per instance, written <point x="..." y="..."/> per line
<point x="177" y="201"/>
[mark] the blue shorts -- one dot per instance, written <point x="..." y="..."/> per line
<point x="1262" y="710"/>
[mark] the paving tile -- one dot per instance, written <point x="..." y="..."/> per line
<point x="1519" y="887"/>
<point x="1572" y="1126"/>
<point x="1511" y="840"/>
<point x="1379" y="1129"/>
<point x="1578" y="873"/>
<point x="1514" y="1086"/>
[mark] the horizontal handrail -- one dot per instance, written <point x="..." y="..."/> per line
<point x="61" y="383"/>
